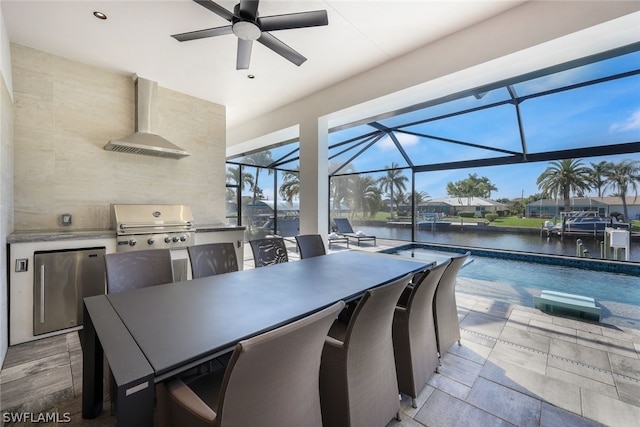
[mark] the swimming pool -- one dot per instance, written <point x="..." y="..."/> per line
<point x="517" y="281"/>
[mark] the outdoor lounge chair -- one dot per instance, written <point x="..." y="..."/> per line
<point x="344" y="228"/>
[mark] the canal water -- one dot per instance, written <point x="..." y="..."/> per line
<point x="532" y="242"/>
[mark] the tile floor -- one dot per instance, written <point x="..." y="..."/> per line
<point x="516" y="366"/>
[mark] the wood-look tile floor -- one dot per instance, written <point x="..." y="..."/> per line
<point x="516" y="367"/>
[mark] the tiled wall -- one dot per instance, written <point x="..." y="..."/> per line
<point x="65" y="112"/>
<point x="6" y="202"/>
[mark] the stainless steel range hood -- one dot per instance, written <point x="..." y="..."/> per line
<point x="144" y="141"/>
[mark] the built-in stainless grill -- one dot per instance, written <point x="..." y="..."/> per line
<point x="141" y="227"/>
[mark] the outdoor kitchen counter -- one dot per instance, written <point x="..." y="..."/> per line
<point x="209" y="228"/>
<point x="57" y="235"/>
<point x="24" y="244"/>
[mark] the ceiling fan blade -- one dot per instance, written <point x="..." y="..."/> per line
<point x="215" y="8"/>
<point x="202" y="34"/>
<point x="281" y="49"/>
<point x="244" y="54"/>
<point x="248" y="9"/>
<point x="289" y="21"/>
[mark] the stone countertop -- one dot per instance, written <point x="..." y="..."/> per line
<point x="57" y="235"/>
<point x="207" y="228"/>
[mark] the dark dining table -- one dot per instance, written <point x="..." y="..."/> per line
<point x="154" y="333"/>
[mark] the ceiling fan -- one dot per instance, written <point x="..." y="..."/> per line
<point x="248" y="26"/>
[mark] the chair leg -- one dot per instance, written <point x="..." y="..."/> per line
<point x="398" y="416"/>
<point x="459" y="342"/>
<point x="414" y="402"/>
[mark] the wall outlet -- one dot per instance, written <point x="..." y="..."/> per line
<point x="22" y="264"/>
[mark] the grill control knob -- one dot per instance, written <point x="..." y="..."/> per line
<point x="151" y="240"/>
<point x="176" y="239"/>
<point x="132" y="242"/>
<point x="167" y="239"/>
<point x="183" y="238"/>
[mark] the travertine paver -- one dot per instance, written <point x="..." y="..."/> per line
<point x="505" y="403"/>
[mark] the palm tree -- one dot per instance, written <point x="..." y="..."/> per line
<point x="391" y="181"/>
<point x="486" y="186"/>
<point x="419" y="197"/>
<point x="340" y="186"/>
<point x="366" y="194"/>
<point x="624" y="176"/>
<point x="260" y="160"/>
<point x="290" y="187"/>
<point x="233" y="177"/>
<point x="563" y="177"/>
<point x="599" y="171"/>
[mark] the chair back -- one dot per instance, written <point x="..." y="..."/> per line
<point x="272" y="379"/>
<point x="370" y="365"/>
<point x="138" y="269"/>
<point x="310" y="245"/>
<point x="212" y="258"/>
<point x="445" y="309"/>
<point x="343" y="225"/>
<point x="414" y="338"/>
<point x="268" y="251"/>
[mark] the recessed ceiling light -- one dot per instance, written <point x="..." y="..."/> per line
<point x="99" y="15"/>
<point x="251" y="76"/>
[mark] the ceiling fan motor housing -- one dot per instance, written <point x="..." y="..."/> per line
<point x="245" y="27"/>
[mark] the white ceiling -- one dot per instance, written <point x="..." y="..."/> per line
<point x="135" y="39"/>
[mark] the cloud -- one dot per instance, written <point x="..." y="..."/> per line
<point x="405" y="140"/>
<point x="630" y="123"/>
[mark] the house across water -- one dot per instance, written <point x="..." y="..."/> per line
<point x="604" y="206"/>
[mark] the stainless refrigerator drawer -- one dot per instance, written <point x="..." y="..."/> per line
<point x="61" y="280"/>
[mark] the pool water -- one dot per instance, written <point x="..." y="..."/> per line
<point x="516" y="282"/>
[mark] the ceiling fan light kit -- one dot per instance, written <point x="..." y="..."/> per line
<point x="246" y="30"/>
<point x="247" y="26"/>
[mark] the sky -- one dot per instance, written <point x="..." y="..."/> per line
<point x="587" y="116"/>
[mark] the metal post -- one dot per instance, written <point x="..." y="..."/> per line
<point x="579" y="248"/>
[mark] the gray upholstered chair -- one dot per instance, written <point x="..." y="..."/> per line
<point x="269" y="251"/>
<point x="310" y="245"/>
<point x="271" y="380"/>
<point x="127" y="271"/>
<point x="445" y="309"/>
<point x="138" y="269"/>
<point x="414" y="336"/>
<point x="358" y="385"/>
<point x="213" y="258"/>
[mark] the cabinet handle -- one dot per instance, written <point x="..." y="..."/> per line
<point x="42" y="293"/>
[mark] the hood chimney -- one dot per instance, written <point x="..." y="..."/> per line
<point x="144" y="141"/>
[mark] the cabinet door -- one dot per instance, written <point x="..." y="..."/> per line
<point x="55" y="292"/>
<point x="61" y="280"/>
